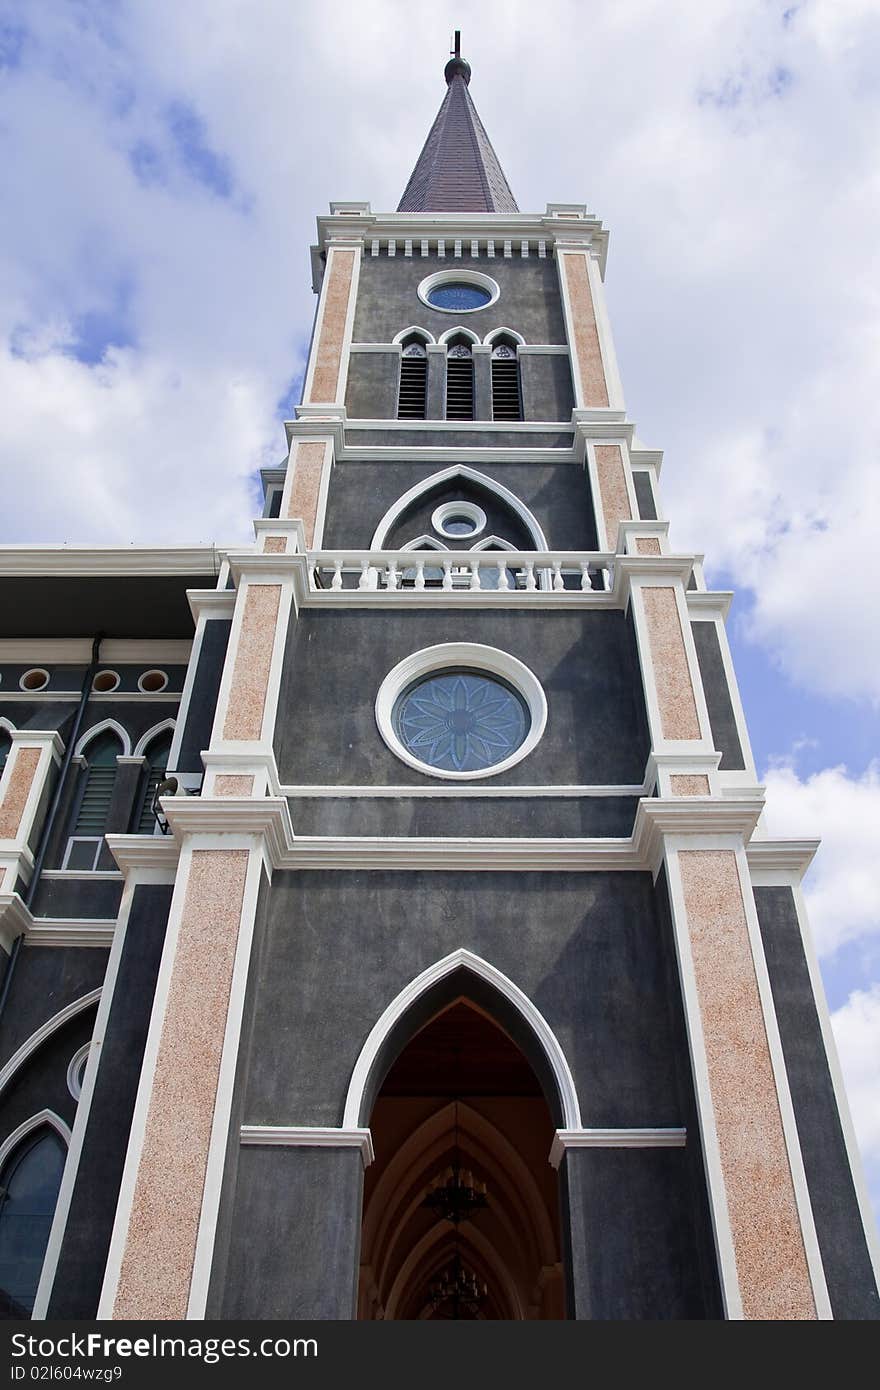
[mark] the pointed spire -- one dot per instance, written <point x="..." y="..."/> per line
<point x="458" y="170"/>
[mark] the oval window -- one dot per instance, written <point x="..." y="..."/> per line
<point x="455" y="295"/>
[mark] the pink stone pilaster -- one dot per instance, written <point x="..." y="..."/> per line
<point x="769" y="1248"/>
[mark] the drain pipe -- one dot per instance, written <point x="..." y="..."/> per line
<point x="52" y="815"/>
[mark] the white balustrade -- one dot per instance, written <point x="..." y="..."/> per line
<point x="500" y="572"/>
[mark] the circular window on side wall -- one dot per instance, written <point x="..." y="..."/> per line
<point x="459" y="291"/>
<point x="457" y="520"/>
<point x="461" y="711"/>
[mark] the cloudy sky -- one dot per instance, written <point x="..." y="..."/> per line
<point x="163" y="164"/>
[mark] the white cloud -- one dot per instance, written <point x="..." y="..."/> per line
<point x="842" y="888"/>
<point x="857" y="1033"/>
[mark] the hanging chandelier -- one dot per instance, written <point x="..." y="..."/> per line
<point x="456" y="1196"/>
<point x="459" y="1289"/>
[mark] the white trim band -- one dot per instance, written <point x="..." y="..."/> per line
<point x="310" y="1136"/>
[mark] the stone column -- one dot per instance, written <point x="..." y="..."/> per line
<point x="768" y="1255"/>
<point x="328" y="363"/>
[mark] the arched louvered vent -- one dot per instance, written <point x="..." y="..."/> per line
<point x="506" y="399"/>
<point x="459" y="382"/>
<point x="413" y="397"/>
<point x="157" y="762"/>
<point x="94" y="808"/>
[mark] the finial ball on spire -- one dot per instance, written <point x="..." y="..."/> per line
<point x="457" y="67"/>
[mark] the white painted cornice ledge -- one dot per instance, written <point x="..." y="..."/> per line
<point x="268" y="818"/>
<point x="565" y="1139"/>
<point x="310" y="1137"/>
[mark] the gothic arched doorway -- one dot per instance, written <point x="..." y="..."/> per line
<point x="461" y="1104"/>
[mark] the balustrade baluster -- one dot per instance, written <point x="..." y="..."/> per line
<point x="503" y="581"/>
<point x="336" y="582"/>
<point x="558" y="581"/>
<point x="364" y="581"/>
<point x="530" y="576"/>
<point x="447" y="574"/>
<point x="420" y="574"/>
<point x="474" y="566"/>
<point x="392" y="578"/>
<point x="585" y="575"/>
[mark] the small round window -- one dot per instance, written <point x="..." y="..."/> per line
<point x="461" y="721"/>
<point x="457" y="519"/>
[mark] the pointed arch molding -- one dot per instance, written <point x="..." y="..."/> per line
<point x="446" y="475"/>
<point x="45" y="1030"/>
<point x="43" y="1117"/>
<point x="413" y="332"/>
<point x="103" y="727"/>
<point x="146" y="739"/>
<point x="373" y="1048"/>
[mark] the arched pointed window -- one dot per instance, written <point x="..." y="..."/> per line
<point x="412" y="399"/>
<point x="93" y="810"/>
<point x="5" y="748"/>
<point x="459" y="380"/>
<point x="154" y="772"/>
<point x="29" y="1187"/>
<point x="506" y="394"/>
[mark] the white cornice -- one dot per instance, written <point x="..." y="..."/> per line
<point x="71" y="931"/>
<point x="783" y="858"/>
<point x="708" y="603"/>
<point x="146" y="851"/>
<point x="311" y="1136"/>
<point x="269" y="819"/>
<point x="15" y="918"/>
<point x="565" y="1139"/>
<point x="69" y="560"/>
<point x="211" y="603"/>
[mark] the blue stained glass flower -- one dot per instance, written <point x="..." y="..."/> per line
<point x="461" y="721"/>
<point x="458" y="296"/>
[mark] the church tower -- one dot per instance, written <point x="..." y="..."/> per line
<point x="465" y="983"/>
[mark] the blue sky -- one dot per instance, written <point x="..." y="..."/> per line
<point x="163" y="165"/>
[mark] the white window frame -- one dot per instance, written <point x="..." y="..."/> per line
<point x="476" y="657"/>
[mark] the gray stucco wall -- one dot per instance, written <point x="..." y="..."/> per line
<point x="851" y="1284"/>
<point x="558" y="496"/>
<point x="586" y="661"/>
<point x="388" y="299"/>
<point x="720" y="706"/>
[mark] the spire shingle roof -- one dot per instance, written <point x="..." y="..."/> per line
<point x="457" y="170"/>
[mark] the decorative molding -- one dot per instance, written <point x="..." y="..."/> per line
<point x="532" y="1017"/>
<point x="314" y="1137"/>
<point x="211" y="603"/>
<point x="43" y="1117"/>
<point x="146" y="739"/>
<point x="45" y="1030"/>
<point x="469" y="475"/>
<point x="102" y="727"/>
<point x="71" y="931"/>
<point x="397" y="792"/>
<point x="146" y="851"/>
<point x="565" y="1139"/>
<point x="108" y="560"/>
<point x="778" y="860"/>
<point x="15" y="918"/>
